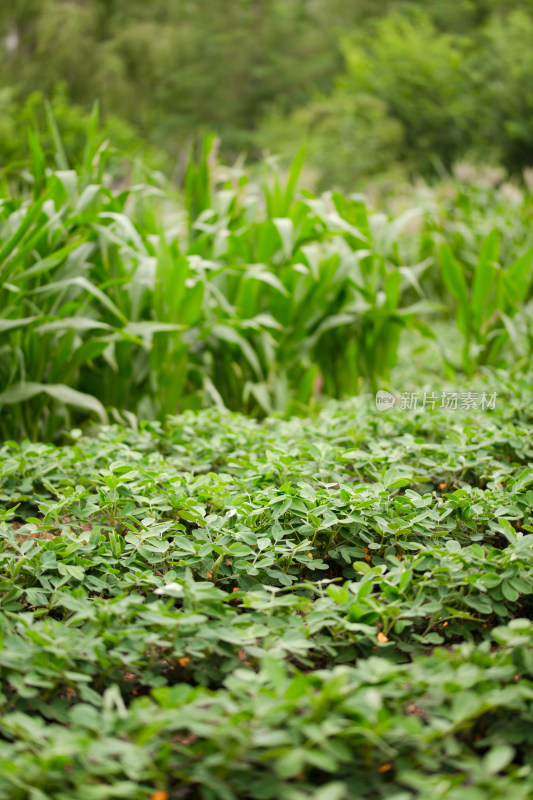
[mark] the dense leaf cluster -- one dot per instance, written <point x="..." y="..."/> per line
<point x="332" y="607"/>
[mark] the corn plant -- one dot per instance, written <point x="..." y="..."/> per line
<point x="242" y="290"/>
<point x="99" y="311"/>
<point x="323" y="279"/>
<point x="487" y="300"/>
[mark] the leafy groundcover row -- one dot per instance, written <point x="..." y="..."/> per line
<point x="331" y="607"/>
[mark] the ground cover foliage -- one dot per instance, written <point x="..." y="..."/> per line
<point x="328" y="607"/>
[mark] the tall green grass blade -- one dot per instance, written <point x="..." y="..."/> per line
<point x="517" y="279"/>
<point x="454" y="277"/>
<point x="29" y="219"/>
<point x="83" y="283"/>
<point x="38" y="163"/>
<point x="20" y="392"/>
<point x="91" y="146"/>
<point x="292" y="179"/>
<point x="13" y="324"/>
<point x="484" y="278"/>
<point x="59" y="154"/>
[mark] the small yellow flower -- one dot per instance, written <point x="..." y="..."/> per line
<point x="184" y="661"/>
<point x="382" y="637"/>
<point x="385" y="768"/>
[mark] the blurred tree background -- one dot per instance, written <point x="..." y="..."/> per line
<point x="373" y="89"/>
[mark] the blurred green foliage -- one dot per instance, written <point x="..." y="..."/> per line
<point x="422" y="97"/>
<point x="370" y="86"/>
<point x="74" y="122"/>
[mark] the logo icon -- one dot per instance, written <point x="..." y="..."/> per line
<point x="385" y="400"/>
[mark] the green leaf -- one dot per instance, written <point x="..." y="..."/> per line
<point x="454" y="277"/>
<point x="22" y="391"/>
<point x="484" y="276"/>
<point x="525" y="478"/>
<point x="517" y="278"/>
<point x="13" y="324"/>
<point x="362" y="567"/>
<point x="509" y="592"/>
<point x="498" y="758"/>
<point x="32" y="213"/>
<point x="331" y="791"/>
<point x="83" y="283"/>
